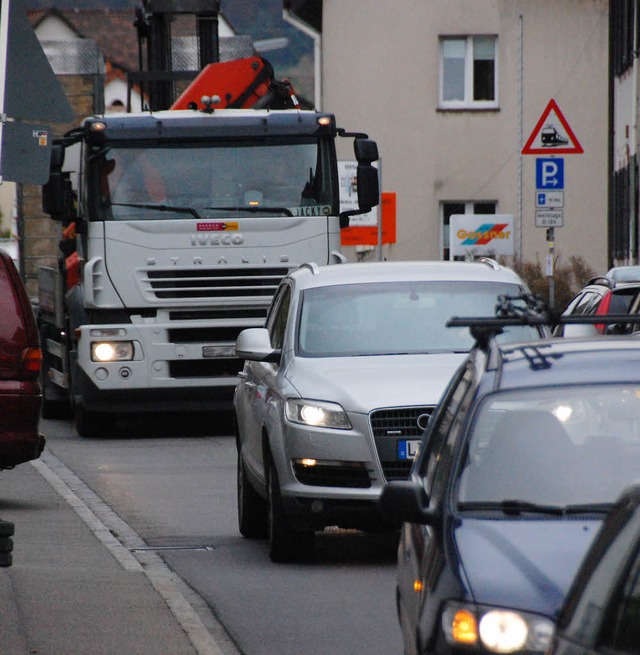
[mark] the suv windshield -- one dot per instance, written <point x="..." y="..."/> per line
<point x="397" y="317"/>
<point x="239" y="178"/>
<point x="566" y="445"/>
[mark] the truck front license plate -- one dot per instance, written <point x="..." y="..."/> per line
<point x="408" y="448"/>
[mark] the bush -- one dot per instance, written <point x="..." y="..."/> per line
<point x="568" y="279"/>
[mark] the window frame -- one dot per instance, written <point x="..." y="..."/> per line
<point x="468" y="101"/>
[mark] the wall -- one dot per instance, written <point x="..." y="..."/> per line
<point x="381" y="75"/>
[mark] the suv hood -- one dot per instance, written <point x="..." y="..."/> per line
<point x="522" y="564"/>
<point x="361" y="384"/>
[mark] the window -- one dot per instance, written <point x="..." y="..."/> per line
<point x="447" y="209"/>
<point x="468" y="72"/>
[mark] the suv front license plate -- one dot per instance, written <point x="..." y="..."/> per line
<point x="408" y="448"/>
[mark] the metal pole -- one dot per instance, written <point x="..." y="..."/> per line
<point x="520" y="143"/>
<point x="4" y="38"/>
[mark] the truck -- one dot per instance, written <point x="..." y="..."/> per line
<point x="177" y="226"/>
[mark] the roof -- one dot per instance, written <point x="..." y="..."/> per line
<point x="405" y="270"/>
<point x="112" y="29"/>
<point x="114" y="32"/>
<point x="553" y="361"/>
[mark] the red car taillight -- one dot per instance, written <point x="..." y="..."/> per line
<point x="31" y="360"/>
<point x="22" y="365"/>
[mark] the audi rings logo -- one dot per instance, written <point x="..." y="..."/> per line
<point x="422" y="421"/>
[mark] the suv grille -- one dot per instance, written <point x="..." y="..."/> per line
<point x="392" y="425"/>
<point x="221" y="283"/>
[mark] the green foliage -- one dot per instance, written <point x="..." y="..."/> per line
<point x="568" y="279"/>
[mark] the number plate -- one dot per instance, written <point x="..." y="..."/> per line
<point x="408" y="448"/>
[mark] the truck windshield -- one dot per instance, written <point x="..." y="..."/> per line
<point x="236" y="178"/>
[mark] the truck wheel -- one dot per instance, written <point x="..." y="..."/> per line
<point x="285" y="544"/>
<point x="252" y="509"/>
<point x="93" y="424"/>
<point x="6" y="559"/>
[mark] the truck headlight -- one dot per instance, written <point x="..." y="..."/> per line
<point x="498" y="630"/>
<point x="316" y="413"/>
<point x="112" y="351"/>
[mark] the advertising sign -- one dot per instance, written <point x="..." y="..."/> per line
<point x="481" y="234"/>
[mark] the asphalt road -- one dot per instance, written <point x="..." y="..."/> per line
<point x="177" y="492"/>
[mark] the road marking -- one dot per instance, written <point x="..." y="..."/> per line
<point x="128" y="548"/>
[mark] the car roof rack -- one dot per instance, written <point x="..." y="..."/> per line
<point x="527" y="309"/>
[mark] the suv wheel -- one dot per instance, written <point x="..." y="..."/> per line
<point x="252" y="510"/>
<point x="285" y="544"/>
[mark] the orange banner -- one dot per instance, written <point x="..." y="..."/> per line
<point x="367" y="235"/>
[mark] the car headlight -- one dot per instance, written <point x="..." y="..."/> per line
<point x="316" y="413"/>
<point x="498" y="630"/>
<point x="112" y="351"/>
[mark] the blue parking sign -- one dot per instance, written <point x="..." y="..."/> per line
<point x="550" y="173"/>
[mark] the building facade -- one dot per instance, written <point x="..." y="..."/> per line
<point x="453" y="90"/>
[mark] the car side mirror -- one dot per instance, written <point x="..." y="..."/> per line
<point x="405" y="500"/>
<point x="255" y="344"/>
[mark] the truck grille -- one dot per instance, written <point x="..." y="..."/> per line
<point x="391" y="425"/>
<point x="208" y="284"/>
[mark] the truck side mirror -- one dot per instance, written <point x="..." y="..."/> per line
<point x="55" y="193"/>
<point x="366" y="151"/>
<point x="368" y="187"/>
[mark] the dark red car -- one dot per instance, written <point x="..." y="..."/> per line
<point x="20" y="363"/>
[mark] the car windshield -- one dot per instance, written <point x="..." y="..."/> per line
<point x="390" y="318"/>
<point x="558" y="446"/>
<point x="241" y="179"/>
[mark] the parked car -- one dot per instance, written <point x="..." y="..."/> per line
<point x="338" y="387"/>
<point x="601" y="296"/>
<point x="20" y="360"/>
<point x="600" y="613"/>
<point x="527" y="452"/>
<point x="624" y="273"/>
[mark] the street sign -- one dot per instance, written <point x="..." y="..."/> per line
<point x="550" y="173"/>
<point x="549" y="199"/>
<point x="549" y="218"/>
<point x="552" y="134"/>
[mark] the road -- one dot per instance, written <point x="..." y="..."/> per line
<point x="177" y="492"/>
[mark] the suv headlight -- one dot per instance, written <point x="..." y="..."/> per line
<point x="316" y="413"/>
<point x="498" y="630"/>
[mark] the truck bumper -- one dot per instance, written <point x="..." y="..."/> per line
<point x="131" y="400"/>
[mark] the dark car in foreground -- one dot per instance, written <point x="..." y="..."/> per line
<point x="601" y="613"/>
<point x="20" y="361"/>
<point x="529" y="449"/>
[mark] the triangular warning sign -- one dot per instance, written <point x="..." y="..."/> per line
<point x="552" y="135"/>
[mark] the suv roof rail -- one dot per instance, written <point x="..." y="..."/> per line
<point x="603" y="280"/>
<point x="491" y="263"/>
<point x="312" y="266"/>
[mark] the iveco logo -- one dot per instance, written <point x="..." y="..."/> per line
<point x="422" y="421"/>
<point x="216" y="239"/>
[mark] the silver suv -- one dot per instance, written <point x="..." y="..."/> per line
<point x="337" y="389"/>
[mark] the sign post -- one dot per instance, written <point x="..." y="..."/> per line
<point x="551" y="136"/>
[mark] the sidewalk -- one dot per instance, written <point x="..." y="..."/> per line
<point x="73" y="589"/>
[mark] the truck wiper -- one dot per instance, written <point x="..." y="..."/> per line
<point x="162" y="208"/>
<point x="255" y="210"/>
<point x="514" y="507"/>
